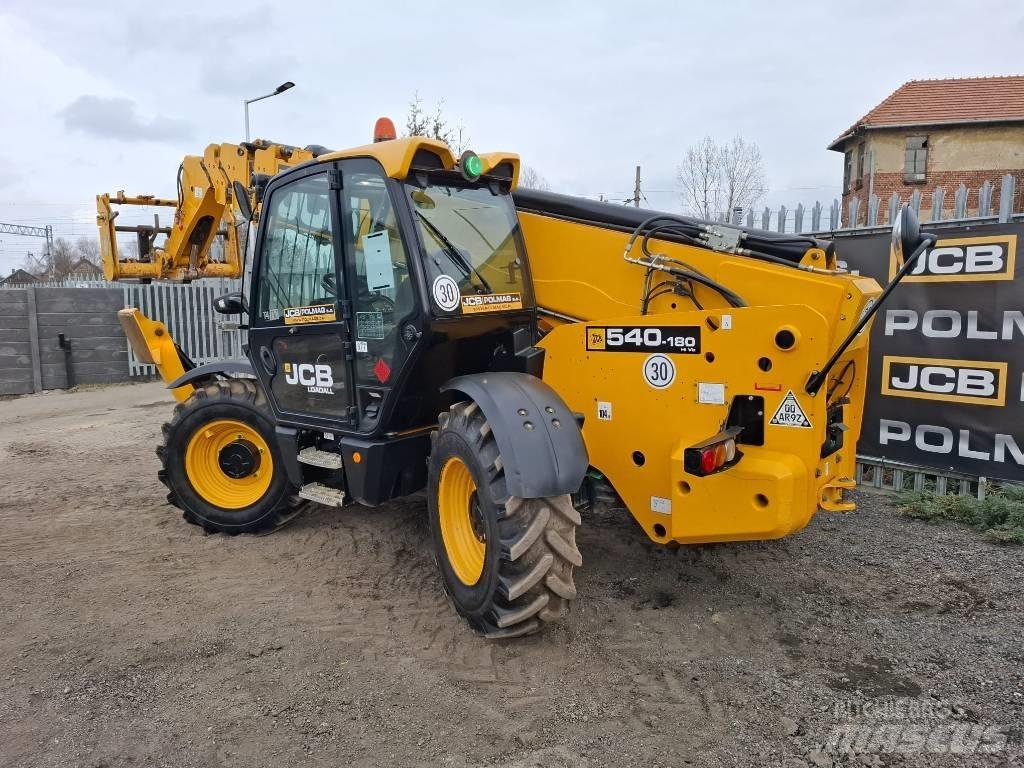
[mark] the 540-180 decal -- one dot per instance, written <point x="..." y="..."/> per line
<point x="674" y="339"/>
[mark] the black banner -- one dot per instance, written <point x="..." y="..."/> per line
<point x="946" y="379"/>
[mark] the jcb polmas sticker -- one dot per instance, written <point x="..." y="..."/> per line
<point x="491" y="302"/>
<point x="674" y="339"/>
<point x="317" y="313"/>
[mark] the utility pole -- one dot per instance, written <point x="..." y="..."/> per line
<point x="636" y="189"/>
<point x="246" y="102"/>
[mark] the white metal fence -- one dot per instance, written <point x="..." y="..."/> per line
<point x="187" y="311"/>
<point x="986" y="203"/>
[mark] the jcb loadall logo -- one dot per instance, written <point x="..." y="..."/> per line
<point x="963" y="259"/>
<point x="956" y="381"/>
<point x="317" y="379"/>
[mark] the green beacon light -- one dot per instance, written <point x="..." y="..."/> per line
<point x="471" y="164"/>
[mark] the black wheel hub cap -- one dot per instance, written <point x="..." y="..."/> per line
<point x="239" y="459"/>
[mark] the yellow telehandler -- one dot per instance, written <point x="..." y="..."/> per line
<point x="416" y="322"/>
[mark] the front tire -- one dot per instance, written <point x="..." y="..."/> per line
<point x="506" y="562"/>
<point x="221" y="463"/>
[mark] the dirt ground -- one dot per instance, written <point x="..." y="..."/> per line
<point x="129" y="638"/>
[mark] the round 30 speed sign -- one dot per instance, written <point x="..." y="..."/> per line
<point x="446" y="293"/>
<point x="659" y="371"/>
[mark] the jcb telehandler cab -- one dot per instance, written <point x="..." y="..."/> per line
<point x="411" y="326"/>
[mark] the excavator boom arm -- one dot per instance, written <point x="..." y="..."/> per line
<point x="204" y="208"/>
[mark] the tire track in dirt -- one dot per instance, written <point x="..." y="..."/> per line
<point x="332" y="642"/>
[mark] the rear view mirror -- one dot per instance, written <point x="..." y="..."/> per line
<point x="423" y="200"/>
<point x="242" y="199"/>
<point x="231" y="304"/>
<point x="906" y="233"/>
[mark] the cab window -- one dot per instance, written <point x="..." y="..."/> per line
<point x="298" y="267"/>
<point x="382" y="291"/>
<point x="470" y="235"/>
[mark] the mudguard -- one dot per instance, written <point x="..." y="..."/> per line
<point x="539" y="438"/>
<point x="210" y="370"/>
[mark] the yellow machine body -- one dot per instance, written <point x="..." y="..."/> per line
<point x="153" y="345"/>
<point x="635" y="433"/>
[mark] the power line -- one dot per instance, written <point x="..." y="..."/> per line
<point x="26" y="231"/>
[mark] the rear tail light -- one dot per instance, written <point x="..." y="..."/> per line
<point x="713" y="455"/>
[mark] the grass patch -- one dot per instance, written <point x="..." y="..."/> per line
<point x="1000" y="515"/>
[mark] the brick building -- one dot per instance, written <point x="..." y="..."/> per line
<point x="937" y="133"/>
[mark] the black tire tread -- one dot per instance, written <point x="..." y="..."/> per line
<point x="538" y="541"/>
<point x="237" y="390"/>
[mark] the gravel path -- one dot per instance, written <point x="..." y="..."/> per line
<point x="128" y="637"/>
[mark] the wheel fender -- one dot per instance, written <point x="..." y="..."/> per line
<point x="539" y="438"/>
<point x="201" y="373"/>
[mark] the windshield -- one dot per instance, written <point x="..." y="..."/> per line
<point x="471" y="235"/>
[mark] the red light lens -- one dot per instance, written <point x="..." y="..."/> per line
<point x="707" y="461"/>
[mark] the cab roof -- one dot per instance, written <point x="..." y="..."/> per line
<point x="399" y="156"/>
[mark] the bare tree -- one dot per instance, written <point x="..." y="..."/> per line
<point x="434" y="125"/>
<point x="53" y="266"/>
<point x="700" y="178"/>
<point x="743" y="179"/>
<point x="716" y="179"/>
<point x="417" y="122"/>
<point x="529" y="178"/>
<point x="88" y="248"/>
<point x="62" y="258"/>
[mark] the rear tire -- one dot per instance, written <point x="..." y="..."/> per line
<point x="506" y="562"/>
<point x="226" y="416"/>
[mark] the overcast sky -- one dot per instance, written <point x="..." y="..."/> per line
<point x="107" y="96"/>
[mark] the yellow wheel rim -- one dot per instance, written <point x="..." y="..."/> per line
<point x="207" y="475"/>
<point x="462" y="525"/>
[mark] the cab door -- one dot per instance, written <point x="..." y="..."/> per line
<point x="299" y="337"/>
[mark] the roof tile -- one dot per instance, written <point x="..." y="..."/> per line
<point x="956" y="100"/>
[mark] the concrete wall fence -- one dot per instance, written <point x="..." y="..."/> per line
<point x="31" y="323"/>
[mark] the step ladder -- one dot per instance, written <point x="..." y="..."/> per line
<point x="317" y="458"/>
<point x="322" y="494"/>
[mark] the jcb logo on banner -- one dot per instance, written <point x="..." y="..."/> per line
<point x="961" y="381"/>
<point x="963" y="259"/>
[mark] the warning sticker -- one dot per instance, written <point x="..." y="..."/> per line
<point x="790" y="414"/>
<point x="317" y="313"/>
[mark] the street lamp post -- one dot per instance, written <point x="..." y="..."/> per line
<point x="280" y="89"/>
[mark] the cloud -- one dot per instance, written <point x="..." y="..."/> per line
<point x="8" y="176"/>
<point x="117" y="119"/>
<point x="254" y="79"/>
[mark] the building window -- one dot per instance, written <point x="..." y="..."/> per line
<point x="847" y="170"/>
<point x="915" y="160"/>
<point x="860" y="165"/>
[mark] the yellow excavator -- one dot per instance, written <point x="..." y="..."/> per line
<point x="416" y="322"/>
